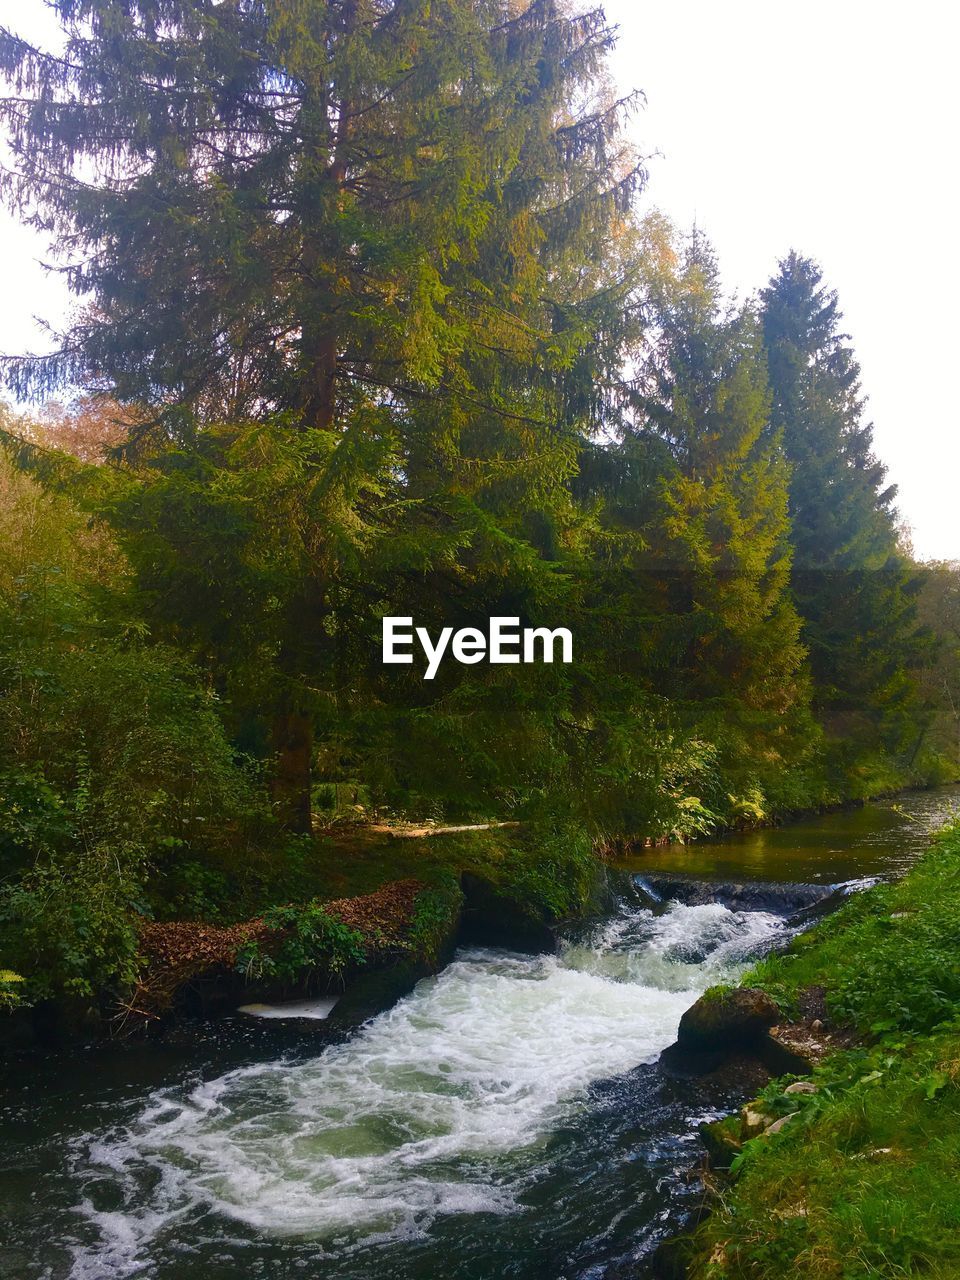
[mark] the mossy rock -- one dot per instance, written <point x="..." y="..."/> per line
<point x="373" y="990"/>
<point x="493" y="917"/>
<point x="723" y="1140"/>
<point x="727" y="1018"/>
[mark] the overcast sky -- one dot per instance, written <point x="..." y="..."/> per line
<point x="822" y="126"/>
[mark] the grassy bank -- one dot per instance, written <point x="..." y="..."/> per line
<point x="862" y="1179"/>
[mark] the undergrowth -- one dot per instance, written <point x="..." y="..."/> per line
<point x="309" y="940"/>
<point x="862" y="1182"/>
<point x="434" y="912"/>
<point x="888" y="958"/>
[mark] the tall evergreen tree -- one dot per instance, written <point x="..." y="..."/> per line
<point x="854" y="589"/>
<point x="335" y="250"/>
<point x="717" y="527"/>
<point x="940" y="609"/>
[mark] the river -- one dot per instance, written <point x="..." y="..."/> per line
<point x="507" y="1119"/>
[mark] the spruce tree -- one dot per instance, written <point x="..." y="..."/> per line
<point x="333" y="255"/>
<point x="855" y="591"/>
<point x="718" y="554"/>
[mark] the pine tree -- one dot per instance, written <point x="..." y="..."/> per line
<point x="841" y="507"/>
<point x="939" y="608"/>
<point x="855" y="591"/>
<point x="717" y="528"/>
<point x="334" y="259"/>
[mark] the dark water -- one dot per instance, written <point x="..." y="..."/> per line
<point x="508" y="1119"/>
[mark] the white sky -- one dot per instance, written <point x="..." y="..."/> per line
<point x="825" y="127"/>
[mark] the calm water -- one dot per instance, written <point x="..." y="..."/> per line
<point x="881" y="839"/>
<point x="507" y="1119"/>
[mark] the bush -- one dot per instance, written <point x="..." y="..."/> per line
<point x="552" y="872"/>
<point x="115" y="762"/>
<point x="307" y="939"/>
<point x="10" y="994"/>
<point x="434" y="913"/>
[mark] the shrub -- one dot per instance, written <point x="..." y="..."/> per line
<point x="114" y="759"/>
<point x="434" y="913"/>
<point x="10" y="994"/>
<point x="306" y="939"/>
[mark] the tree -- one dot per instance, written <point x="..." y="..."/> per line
<point x="113" y="759"/>
<point x="854" y="589"/>
<point x="939" y="608"/>
<point x="717" y="533"/>
<point x="336" y="257"/>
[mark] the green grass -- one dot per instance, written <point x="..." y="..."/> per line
<point x="889" y="959"/>
<point x="865" y="1180"/>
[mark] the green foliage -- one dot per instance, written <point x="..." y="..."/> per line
<point x="716" y="993"/>
<point x="856" y="592"/>
<point x="705" y="485"/>
<point x="939" y="609"/>
<point x="374" y="328"/>
<point x="365" y="346"/>
<point x="552" y="874"/>
<point x="70" y="924"/>
<point x="864" y="1171"/>
<point x="114" y="757"/>
<point x="748" y="810"/>
<point x="204" y="892"/>
<point x="435" y="913"/>
<point x="10" y="990"/>
<point x="308" y="939"/>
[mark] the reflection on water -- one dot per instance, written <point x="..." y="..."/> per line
<point x="880" y="839"/>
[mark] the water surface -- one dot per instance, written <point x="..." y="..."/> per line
<point x="875" y="841"/>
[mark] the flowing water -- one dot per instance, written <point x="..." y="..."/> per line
<point x="506" y="1119"/>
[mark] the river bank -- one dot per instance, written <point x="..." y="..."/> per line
<point x="193" y="952"/>
<point x="509" y="1117"/>
<point x="384" y="912"/>
<point x="520" y="1087"/>
<point x="388" y="905"/>
<point x="856" y="1174"/>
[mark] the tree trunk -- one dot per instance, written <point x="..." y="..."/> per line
<point x="293" y="729"/>
<point x="290" y="788"/>
<point x="320" y="324"/>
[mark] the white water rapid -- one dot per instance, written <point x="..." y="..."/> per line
<point x="436" y="1107"/>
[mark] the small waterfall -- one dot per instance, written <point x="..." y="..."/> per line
<point x="439" y="1108"/>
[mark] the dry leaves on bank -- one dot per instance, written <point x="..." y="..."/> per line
<point x="177" y="951"/>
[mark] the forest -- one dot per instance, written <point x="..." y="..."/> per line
<point x="375" y="316"/>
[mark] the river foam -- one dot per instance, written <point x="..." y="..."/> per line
<point x="436" y="1107"/>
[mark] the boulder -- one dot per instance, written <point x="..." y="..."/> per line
<point x="494" y="918"/>
<point x="754" y="1120"/>
<point x="727" y="1018"/>
<point x="777" y="1125"/>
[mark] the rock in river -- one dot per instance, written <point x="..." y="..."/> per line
<point x="724" y="1019"/>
